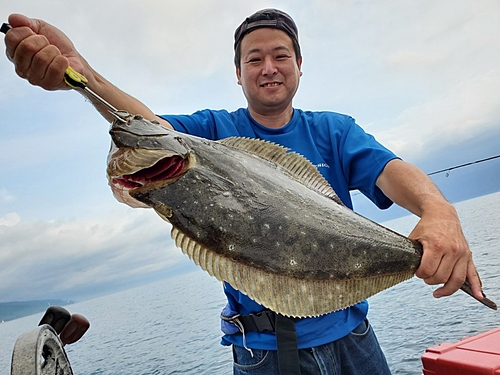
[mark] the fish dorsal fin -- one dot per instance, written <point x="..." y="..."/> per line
<point x="295" y="164"/>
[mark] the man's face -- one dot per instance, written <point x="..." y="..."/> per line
<point x="269" y="72"/>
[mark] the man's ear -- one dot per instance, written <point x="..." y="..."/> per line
<point x="299" y="64"/>
<point x="238" y="75"/>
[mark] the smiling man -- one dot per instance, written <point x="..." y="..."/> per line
<point x="269" y="73"/>
<point x="268" y="64"/>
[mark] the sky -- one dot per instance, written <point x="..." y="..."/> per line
<point x="422" y="76"/>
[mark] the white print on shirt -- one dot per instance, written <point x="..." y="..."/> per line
<point x="322" y="165"/>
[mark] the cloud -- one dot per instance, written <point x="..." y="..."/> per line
<point x="413" y="59"/>
<point x="467" y="110"/>
<point x="5" y="196"/>
<point x="43" y="259"/>
<point x="10" y="219"/>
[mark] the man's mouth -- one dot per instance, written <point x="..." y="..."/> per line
<point x="271" y="84"/>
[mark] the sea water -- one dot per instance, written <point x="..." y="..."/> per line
<point x="172" y="326"/>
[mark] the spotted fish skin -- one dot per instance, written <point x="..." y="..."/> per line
<point x="261" y="218"/>
<point x="274" y="223"/>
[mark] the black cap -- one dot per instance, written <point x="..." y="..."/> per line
<point x="273" y="18"/>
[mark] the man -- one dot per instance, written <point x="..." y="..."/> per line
<point x="268" y="67"/>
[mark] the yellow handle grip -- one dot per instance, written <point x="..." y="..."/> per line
<point x="74" y="79"/>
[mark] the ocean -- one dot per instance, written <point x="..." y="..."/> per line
<point x="172" y="326"/>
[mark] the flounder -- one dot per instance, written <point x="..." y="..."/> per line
<point x="260" y="217"/>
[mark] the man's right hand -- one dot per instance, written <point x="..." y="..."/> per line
<point x="40" y="52"/>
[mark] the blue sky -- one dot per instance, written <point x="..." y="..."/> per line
<point x="422" y="77"/>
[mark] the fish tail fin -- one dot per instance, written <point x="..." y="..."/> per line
<point x="485" y="301"/>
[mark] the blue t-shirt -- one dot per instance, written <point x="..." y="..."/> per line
<point x="347" y="157"/>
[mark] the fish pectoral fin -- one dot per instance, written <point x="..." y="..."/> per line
<point x="222" y="183"/>
<point x="215" y="180"/>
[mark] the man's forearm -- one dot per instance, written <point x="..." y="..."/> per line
<point x="410" y="188"/>
<point x="447" y="258"/>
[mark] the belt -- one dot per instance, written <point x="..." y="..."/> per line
<point x="286" y="337"/>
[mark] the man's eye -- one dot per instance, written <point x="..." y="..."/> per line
<point x="255" y="59"/>
<point x="281" y="57"/>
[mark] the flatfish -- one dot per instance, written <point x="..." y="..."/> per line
<point x="260" y="217"/>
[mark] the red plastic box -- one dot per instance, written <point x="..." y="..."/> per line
<point x="476" y="355"/>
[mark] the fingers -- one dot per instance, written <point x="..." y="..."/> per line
<point x="14" y="36"/>
<point x="453" y="282"/>
<point x="431" y="260"/>
<point x="446" y="257"/>
<point x="442" y="260"/>
<point x="475" y="281"/>
<point x="449" y="266"/>
<point x="457" y="280"/>
<point x="37" y="26"/>
<point x="46" y="68"/>
<point x="38" y="61"/>
<point x="18" y="20"/>
<point x="39" y="52"/>
<point x="25" y="51"/>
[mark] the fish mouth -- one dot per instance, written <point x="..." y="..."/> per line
<point x="163" y="170"/>
<point x="132" y="170"/>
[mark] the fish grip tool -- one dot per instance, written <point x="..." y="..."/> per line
<point x="76" y="80"/>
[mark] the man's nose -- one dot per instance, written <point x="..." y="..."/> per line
<point x="269" y="68"/>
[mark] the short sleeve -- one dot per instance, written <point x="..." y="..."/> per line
<point x="363" y="159"/>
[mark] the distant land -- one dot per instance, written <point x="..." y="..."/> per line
<point x="18" y="309"/>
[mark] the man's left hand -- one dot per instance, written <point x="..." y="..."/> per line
<point x="447" y="258"/>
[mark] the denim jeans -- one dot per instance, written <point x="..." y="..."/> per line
<point x="358" y="353"/>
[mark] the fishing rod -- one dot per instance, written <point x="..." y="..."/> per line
<point x="447" y="170"/>
<point x="463" y="165"/>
